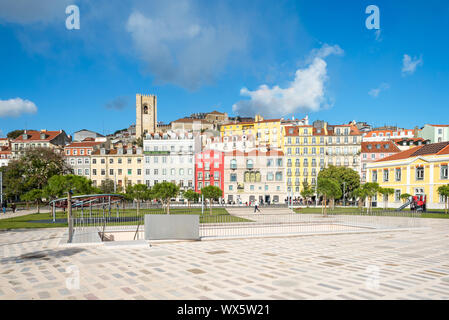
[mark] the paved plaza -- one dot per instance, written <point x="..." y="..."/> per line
<point x="412" y="264"/>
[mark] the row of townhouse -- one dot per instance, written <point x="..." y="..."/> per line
<point x="309" y="149"/>
<point x="417" y="171"/>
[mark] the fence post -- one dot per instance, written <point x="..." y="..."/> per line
<point x="202" y="204"/>
<point x="69" y="215"/>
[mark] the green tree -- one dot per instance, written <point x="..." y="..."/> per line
<point x="330" y="189"/>
<point x="107" y="186"/>
<point x="386" y="192"/>
<point x="14" y="134"/>
<point x="164" y="191"/>
<point x="190" y="196"/>
<point x="361" y="194"/>
<point x="405" y="196"/>
<point x="35" y="196"/>
<point x="139" y="192"/>
<point x="33" y="170"/>
<point x="306" y="192"/>
<point x="59" y="185"/>
<point x="211" y="193"/>
<point x="444" y="191"/>
<point x="370" y="189"/>
<point x="348" y="179"/>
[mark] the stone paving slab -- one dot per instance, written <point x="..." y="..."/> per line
<point x="411" y="264"/>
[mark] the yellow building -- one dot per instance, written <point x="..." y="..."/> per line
<point x="310" y="149"/>
<point x="266" y="132"/>
<point x="417" y="171"/>
<point x="304" y="149"/>
<point x="124" y="166"/>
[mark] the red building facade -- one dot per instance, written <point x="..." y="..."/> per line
<point x="209" y="170"/>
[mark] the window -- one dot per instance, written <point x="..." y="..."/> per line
<point x="233" y="177"/>
<point x="270" y="176"/>
<point x="233" y="164"/>
<point x="398" y="174"/>
<point x="279" y="162"/>
<point x="397" y="195"/>
<point x="279" y="176"/>
<point x="374" y="176"/>
<point x="444" y="171"/>
<point x="94" y="172"/>
<point x="385" y="175"/>
<point x="249" y="164"/>
<point x="130" y="171"/>
<point x="420" y="173"/>
<point x="86" y="172"/>
<point x="111" y="172"/>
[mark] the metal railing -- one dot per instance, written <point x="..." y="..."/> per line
<point x="239" y="220"/>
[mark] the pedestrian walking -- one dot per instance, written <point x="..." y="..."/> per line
<point x="13" y="207"/>
<point x="256" y="206"/>
<point x="4" y="207"/>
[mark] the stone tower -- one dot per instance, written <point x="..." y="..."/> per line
<point x="146" y="114"/>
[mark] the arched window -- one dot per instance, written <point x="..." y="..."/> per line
<point x="145" y="109"/>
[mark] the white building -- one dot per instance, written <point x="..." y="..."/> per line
<point x="243" y="143"/>
<point x="384" y="135"/>
<point x="169" y="157"/>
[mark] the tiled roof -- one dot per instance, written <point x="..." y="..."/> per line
<point x="112" y="152"/>
<point x="424" y="150"/>
<point x="34" y="135"/>
<point x="216" y="112"/>
<point x="187" y="120"/>
<point x="432" y="148"/>
<point x="252" y="122"/>
<point x="379" y="147"/>
<point x="82" y="144"/>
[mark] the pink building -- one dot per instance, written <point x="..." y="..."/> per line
<point x="209" y="170"/>
<point x="376" y="150"/>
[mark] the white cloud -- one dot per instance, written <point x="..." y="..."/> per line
<point x="179" y="46"/>
<point x="325" y="51"/>
<point x="32" y="11"/>
<point x="16" y="107"/>
<point x="375" y="92"/>
<point x="305" y="93"/>
<point x="410" y="64"/>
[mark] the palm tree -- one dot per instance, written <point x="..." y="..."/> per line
<point x="444" y="191"/>
<point x="386" y="192"/>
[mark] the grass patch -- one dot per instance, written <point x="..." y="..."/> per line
<point x="375" y="211"/>
<point x="218" y="215"/>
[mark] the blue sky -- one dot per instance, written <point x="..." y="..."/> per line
<point x="278" y="58"/>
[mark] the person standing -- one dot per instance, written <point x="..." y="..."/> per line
<point x="256" y="206"/>
<point x="4" y="207"/>
<point x="13" y="207"/>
